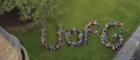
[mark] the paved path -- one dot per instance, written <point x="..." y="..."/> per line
<point x="129" y="47"/>
<point x="136" y="55"/>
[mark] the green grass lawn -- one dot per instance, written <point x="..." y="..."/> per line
<point x="77" y="13"/>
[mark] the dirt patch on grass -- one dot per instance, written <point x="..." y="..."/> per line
<point x="12" y="19"/>
<point x="12" y="22"/>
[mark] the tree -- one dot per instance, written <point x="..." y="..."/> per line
<point x="1" y="7"/>
<point x="30" y="9"/>
<point x="8" y="5"/>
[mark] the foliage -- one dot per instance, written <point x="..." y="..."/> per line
<point x="30" y="9"/>
<point x="1" y="10"/>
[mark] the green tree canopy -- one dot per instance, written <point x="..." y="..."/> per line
<point x="30" y="9"/>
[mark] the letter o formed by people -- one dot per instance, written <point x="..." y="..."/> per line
<point x="68" y="35"/>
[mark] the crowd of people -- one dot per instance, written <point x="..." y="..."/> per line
<point x="88" y="28"/>
<point x="43" y="35"/>
<point x="117" y="36"/>
<point x="44" y="41"/>
<point x="83" y="34"/>
<point x="59" y="36"/>
<point x="81" y="37"/>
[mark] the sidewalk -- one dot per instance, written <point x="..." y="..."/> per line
<point x="129" y="47"/>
